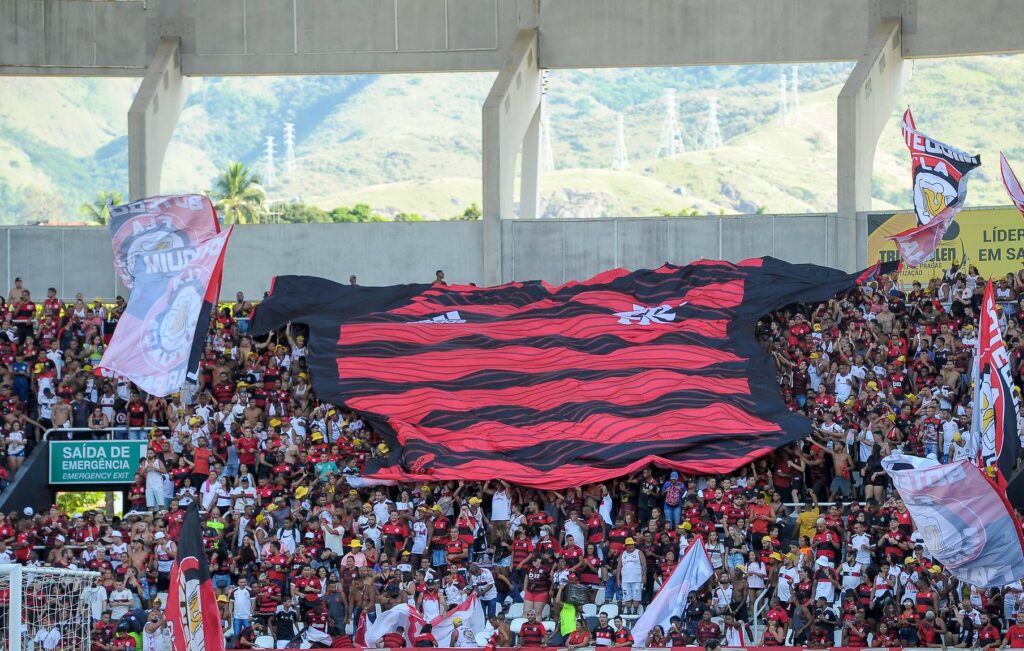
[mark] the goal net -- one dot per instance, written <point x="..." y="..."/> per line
<point x="44" y="608"/>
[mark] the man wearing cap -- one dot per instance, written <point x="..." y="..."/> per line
<point x="463" y="635"/>
<point x="630" y="573"/>
<point x="825" y="580"/>
<point x="358" y="558"/>
<point x="482" y="581"/>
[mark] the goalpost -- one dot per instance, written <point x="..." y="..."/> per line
<point x="45" y="604"/>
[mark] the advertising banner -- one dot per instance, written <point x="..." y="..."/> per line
<point x="990" y="238"/>
<point x="95" y="462"/>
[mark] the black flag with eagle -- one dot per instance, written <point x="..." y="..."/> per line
<point x="554" y="387"/>
<point x="191" y="602"/>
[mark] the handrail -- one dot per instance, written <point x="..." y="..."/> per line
<point x="109" y="430"/>
<point x="760" y="605"/>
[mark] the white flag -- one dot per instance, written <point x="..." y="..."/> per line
<point x="470" y="611"/>
<point x="369" y="632"/>
<point x="693" y="571"/>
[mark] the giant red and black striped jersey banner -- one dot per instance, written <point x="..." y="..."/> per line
<point x="558" y="386"/>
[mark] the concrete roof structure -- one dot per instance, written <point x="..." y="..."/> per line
<point x="168" y="41"/>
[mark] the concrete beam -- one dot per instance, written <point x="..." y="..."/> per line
<point x="511" y="108"/>
<point x="865" y="104"/>
<point x="152" y="118"/>
<point x="282" y="37"/>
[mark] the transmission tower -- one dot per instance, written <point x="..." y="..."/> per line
<point x="796" y="88"/>
<point x="546" y="154"/>
<point x="621" y="161"/>
<point x="289" y="147"/>
<point x="782" y="98"/>
<point x="671" y="143"/>
<point x="712" y="136"/>
<point x="269" y="176"/>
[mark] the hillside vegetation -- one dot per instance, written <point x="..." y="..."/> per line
<point x="411" y="144"/>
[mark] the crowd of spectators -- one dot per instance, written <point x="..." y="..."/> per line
<point x="809" y="545"/>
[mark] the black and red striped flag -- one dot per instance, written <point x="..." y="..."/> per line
<point x="191" y="602"/>
<point x="558" y="386"/>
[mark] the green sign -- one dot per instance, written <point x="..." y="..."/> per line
<point x="95" y="462"/>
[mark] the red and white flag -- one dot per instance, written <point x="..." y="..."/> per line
<point x="693" y="571"/>
<point x="1011" y="183"/>
<point x="470" y="612"/>
<point x="918" y="244"/>
<point x="939" y="172"/>
<point x="191" y="602"/>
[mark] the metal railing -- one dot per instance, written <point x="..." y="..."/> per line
<point x="108" y="431"/>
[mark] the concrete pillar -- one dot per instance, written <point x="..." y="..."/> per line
<point x="153" y="116"/>
<point x="865" y="104"/>
<point x="529" y="182"/>
<point x="511" y="118"/>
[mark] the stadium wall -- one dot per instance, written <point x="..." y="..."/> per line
<point x="80" y="259"/>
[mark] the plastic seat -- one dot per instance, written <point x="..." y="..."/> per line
<point x="612" y="610"/>
<point x="515" y="611"/>
<point x="517" y="625"/>
<point x="482" y="639"/>
<point x="264" y="642"/>
<point x="589" y="610"/>
<point x="550" y="627"/>
<point x="599" y="599"/>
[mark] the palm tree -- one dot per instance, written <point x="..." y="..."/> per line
<point x="98" y="212"/>
<point x="238" y="195"/>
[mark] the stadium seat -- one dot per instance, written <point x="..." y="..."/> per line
<point x="265" y="642"/>
<point x="589" y="610"/>
<point x="610" y="609"/>
<point x="482" y="639"/>
<point x="599" y="599"/>
<point x="517" y="625"/>
<point x="550" y="627"/>
<point x="515" y="611"/>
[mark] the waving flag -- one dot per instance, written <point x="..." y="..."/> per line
<point x="1011" y="183"/>
<point x="165" y="250"/>
<point x="556" y="386"/>
<point x="940" y="174"/>
<point x="159" y="224"/>
<point x="191" y="602"/>
<point x="965" y="521"/>
<point x="369" y="633"/>
<point x="158" y="340"/>
<point x="996" y="410"/>
<point x="693" y="571"/>
<point x="470" y="611"/>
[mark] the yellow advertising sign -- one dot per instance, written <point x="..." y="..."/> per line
<point x="990" y="238"/>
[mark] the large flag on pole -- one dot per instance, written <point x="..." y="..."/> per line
<point x="693" y="571"/>
<point x="939" y="174"/>
<point x="996" y="409"/>
<point x="1011" y="183"/>
<point x="191" y="601"/>
<point x="555" y="386"/>
<point x="165" y="251"/>
<point x="158" y="340"/>
<point x="470" y="611"/>
<point x="964" y="519"/>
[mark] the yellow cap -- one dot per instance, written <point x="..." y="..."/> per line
<point x="687" y="526"/>
<point x="817" y="327"/>
<point x="271" y="507"/>
<point x="630" y="541"/>
<point x="383" y="449"/>
<point x="317" y="436"/>
<point x="275" y="422"/>
<point x="475" y="500"/>
<point x="457" y="620"/>
<point x="741" y="568"/>
<point x="357" y="441"/>
<point x="776" y="556"/>
<point x="766" y="539"/>
<point x="909" y="561"/>
<point x="301" y="492"/>
<point x="958" y="437"/>
<point x="355" y="544"/>
<point x="873" y="385"/>
<point x="436" y="507"/>
<point x="935" y="569"/>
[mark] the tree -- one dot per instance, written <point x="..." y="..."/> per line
<point x="98" y="212"/>
<point x="238" y="195"/>
<point x="470" y="214"/>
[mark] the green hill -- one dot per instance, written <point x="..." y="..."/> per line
<point x="406" y="143"/>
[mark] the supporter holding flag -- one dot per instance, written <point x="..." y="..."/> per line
<point x="692" y="572"/>
<point x="191" y="602"/>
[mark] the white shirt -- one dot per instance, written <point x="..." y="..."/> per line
<point x="863" y="555"/>
<point x="632" y="572"/>
<point x="47" y="638"/>
<point x="242" y="600"/>
<point x="486" y="578"/>
<point x="851" y="576"/>
<point x="788" y="577"/>
<point x="501" y="506"/>
<point x="117" y="612"/>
